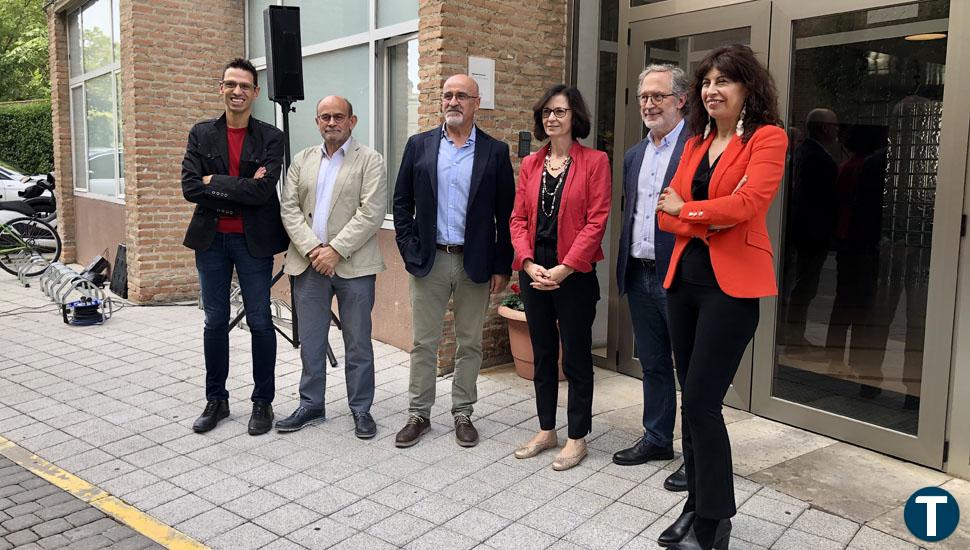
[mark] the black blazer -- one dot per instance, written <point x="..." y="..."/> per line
<point x="255" y="199"/>
<point x="488" y="244"/>
<point x="663" y="242"/>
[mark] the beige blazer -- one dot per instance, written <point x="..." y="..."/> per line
<point x="357" y="208"/>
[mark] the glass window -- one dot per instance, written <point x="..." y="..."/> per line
<point x="101" y="127"/>
<point x="323" y="20"/>
<point x="341" y="72"/>
<point x="121" y="141"/>
<point x="80" y="146"/>
<point x="257" y="38"/>
<point x="96" y="33"/>
<point x="74" y="42"/>
<point x="390" y="12"/>
<point x="263" y="108"/>
<point x="402" y="108"/>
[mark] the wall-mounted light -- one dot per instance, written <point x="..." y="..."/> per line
<point x="922" y="37"/>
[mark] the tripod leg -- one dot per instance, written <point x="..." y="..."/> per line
<point x="295" y="340"/>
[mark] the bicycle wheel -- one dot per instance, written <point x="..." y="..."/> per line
<point x="23" y="238"/>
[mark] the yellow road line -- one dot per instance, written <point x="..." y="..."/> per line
<point x="111" y="505"/>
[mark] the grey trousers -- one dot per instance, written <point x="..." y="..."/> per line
<point x="355" y="299"/>
<point x="429" y="301"/>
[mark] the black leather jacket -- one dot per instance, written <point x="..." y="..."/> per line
<point x="256" y="200"/>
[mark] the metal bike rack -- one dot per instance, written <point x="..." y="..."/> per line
<point x="29" y="264"/>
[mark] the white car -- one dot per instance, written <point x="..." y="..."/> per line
<point x="11" y="182"/>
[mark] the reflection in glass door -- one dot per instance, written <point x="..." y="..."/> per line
<point x="865" y="108"/>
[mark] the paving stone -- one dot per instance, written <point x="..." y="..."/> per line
<point x="18" y="522"/>
<point x="82" y="532"/>
<point x="95" y="542"/>
<point x="755" y="530"/>
<point x="322" y="533"/>
<point x="181" y="509"/>
<point x="553" y="520"/>
<point x="823" y="524"/>
<point x="35" y="494"/>
<point x="509" y="505"/>
<point x="626" y="517"/>
<point x="520" y="536"/>
<point x="52" y="527"/>
<point x="54" y="541"/>
<point x="775" y="511"/>
<point x="55" y="499"/>
<point x="794" y="539"/>
<point x="400" y="528"/>
<point x="400" y="495"/>
<point x="363" y="514"/>
<point x="245" y="537"/>
<point x="441" y="538"/>
<point x="436" y="508"/>
<point x="870" y="539"/>
<point x="478" y="524"/>
<point x="72" y="506"/>
<point x="210" y="524"/>
<point x="328" y="500"/>
<point x="363" y="541"/>
<point x="255" y="504"/>
<point x="595" y="534"/>
<point x="21" y="538"/>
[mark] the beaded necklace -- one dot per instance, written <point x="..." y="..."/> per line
<point x="548" y="203"/>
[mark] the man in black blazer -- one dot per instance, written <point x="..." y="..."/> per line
<point x="452" y="202"/>
<point x="230" y="171"/>
<point x="644" y="256"/>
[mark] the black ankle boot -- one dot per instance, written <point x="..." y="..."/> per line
<point x="722" y="538"/>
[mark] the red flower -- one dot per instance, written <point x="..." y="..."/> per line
<point x="515" y="288"/>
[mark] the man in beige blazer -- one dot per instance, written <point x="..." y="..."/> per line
<point x="333" y="204"/>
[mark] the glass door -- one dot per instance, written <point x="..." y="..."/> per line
<point x="684" y="40"/>
<point x="864" y="225"/>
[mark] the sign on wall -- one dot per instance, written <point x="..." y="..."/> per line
<point x="482" y="69"/>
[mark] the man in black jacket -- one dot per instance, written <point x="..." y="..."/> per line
<point x="452" y="203"/>
<point x="230" y="171"/>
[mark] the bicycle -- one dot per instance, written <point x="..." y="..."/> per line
<point x="22" y="239"/>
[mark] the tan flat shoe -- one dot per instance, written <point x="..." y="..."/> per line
<point x="529" y="451"/>
<point x="566" y="462"/>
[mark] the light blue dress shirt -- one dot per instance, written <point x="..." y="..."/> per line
<point x="329" y="168"/>
<point x="656" y="158"/>
<point x="454" y="185"/>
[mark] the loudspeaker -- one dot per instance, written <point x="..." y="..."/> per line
<point x="284" y="59"/>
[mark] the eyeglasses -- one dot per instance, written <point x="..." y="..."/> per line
<point x="337" y="118"/>
<point x="232" y="84"/>
<point x="460" y="96"/>
<point x="657" y="98"/>
<point x="558" y="111"/>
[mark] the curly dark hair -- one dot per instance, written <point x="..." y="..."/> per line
<point x="738" y="63"/>
<point x="581" y="118"/>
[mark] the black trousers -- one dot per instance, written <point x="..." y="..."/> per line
<point x="567" y="311"/>
<point x="709" y="331"/>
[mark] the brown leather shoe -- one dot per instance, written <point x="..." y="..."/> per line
<point x="465" y="432"/>
<point x="412" y="431"/>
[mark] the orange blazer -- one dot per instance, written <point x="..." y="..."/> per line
<point x="741" y="255"/>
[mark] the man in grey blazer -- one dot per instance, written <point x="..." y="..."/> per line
<point x="644" y="257"/>
<point x="333" y="203"/>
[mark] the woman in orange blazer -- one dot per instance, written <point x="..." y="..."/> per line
<point x="561" y="206"/>
<point x="722" y="263"/>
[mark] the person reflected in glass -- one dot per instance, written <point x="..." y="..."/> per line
<point x="562" y="203"/>
<point x="721" y="265"/>
<point x="811" y="219"/>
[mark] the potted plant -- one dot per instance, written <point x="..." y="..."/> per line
<point x="513" y="310"/>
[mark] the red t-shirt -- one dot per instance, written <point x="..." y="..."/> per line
<point x="233" y="224"/>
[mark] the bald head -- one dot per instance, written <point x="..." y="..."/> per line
<point x="822" y="125"/>
<point x="337" y="102"/>
<point x="460" y="102"/>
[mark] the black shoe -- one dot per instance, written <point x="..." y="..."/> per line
<point x="261" y="420"/>
<point x="364" y="425"/>
<point x="677" y="481"/>
<point x="301" y="418"/>
<point x="677" y="530"/>
<point x="215" y="410"/>
<point x="721" y="539"/>
<point x="641" y="452"/>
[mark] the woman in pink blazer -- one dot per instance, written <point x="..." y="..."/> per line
<point x="562" y="202"/>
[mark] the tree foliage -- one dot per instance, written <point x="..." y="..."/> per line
<point x="24" y="71"/>
<point x="25" y="136"/>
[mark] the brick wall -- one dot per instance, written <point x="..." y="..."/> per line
<point x="172" y="54"/>
<point x="528" y="44"/>
<point x="61" y="122"/>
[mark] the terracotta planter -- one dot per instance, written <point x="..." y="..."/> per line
<point x="521" y="344"/>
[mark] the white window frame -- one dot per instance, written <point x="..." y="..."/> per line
<point x="80" y="81"/>
<point x="377" y="41"/>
